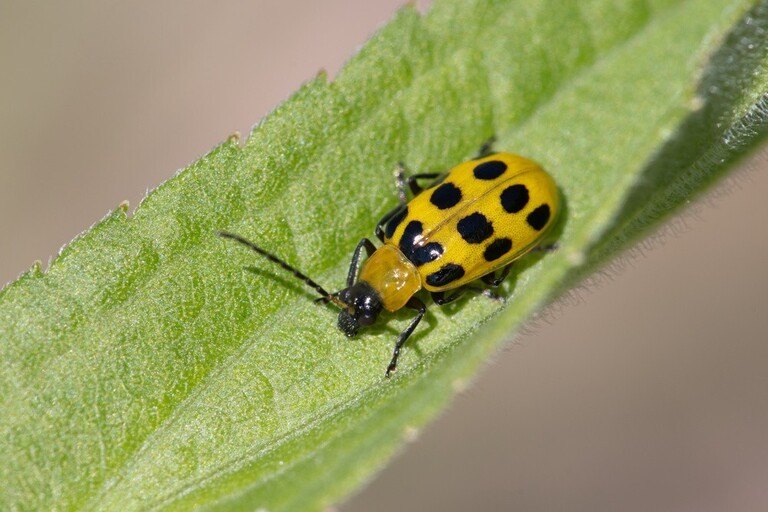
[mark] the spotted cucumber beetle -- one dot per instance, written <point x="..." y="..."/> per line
<point x="471" y="221"/>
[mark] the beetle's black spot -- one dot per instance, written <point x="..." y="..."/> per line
<point x="538" y="218"/>
<point x="475" y="228"/>
<point x="497" y="249"/>
<point x="411" y="235"/>
<point x="395" y="221"/>
<point x="514" y="198"/>
<point x="425" y="254"/>
<point x="490" y="170"/>
<point x="411" y="248"/>
<point x="446" y="196"/>
<point x="445" y="275"/>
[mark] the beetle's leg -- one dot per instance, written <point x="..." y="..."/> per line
<point x="545" y="248"/>
<point x="486" y="148"/>
<point x="413" y="180"/>
<point x="353" y="265"/>
<point x="402" y="179"/>
<point x="386" y="218"/>
<point x="400" y="182"/>
<point x="419" y="306"/>
<point x="325" y="300"/>
<point x="487" y="292"/>
<point x="494" y="281"/>
<point x="440" y="299"/>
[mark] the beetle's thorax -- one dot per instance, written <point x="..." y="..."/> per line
<point x="392" y="275"/>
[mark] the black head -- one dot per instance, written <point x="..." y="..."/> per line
<point x="365" y="305"/>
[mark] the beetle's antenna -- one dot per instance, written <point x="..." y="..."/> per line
<point x="325" y="296"/>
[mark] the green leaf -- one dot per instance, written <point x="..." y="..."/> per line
<point x="146" y="370"/>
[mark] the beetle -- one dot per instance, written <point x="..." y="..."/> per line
<point x="470" y="222"/>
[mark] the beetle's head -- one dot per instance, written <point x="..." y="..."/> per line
<point x="363" y="307"/>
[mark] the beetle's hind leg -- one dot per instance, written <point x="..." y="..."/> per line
<point x="486" y="148"/>
<point x="440" y="298"/>
<point x="494" y="280"/>
<point x="487" y="292"/>
<point x="546" y="248"/>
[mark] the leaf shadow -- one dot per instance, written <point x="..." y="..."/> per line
<point x="291" y="284"/>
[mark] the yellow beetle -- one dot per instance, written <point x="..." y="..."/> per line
<point x="473" y="220"/>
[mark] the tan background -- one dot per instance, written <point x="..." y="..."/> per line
<point x="649" y="392"/>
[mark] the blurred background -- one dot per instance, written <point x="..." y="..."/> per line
<point x="648" y="391"/>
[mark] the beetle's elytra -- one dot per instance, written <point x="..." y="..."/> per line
<point x="471" y="221"/>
